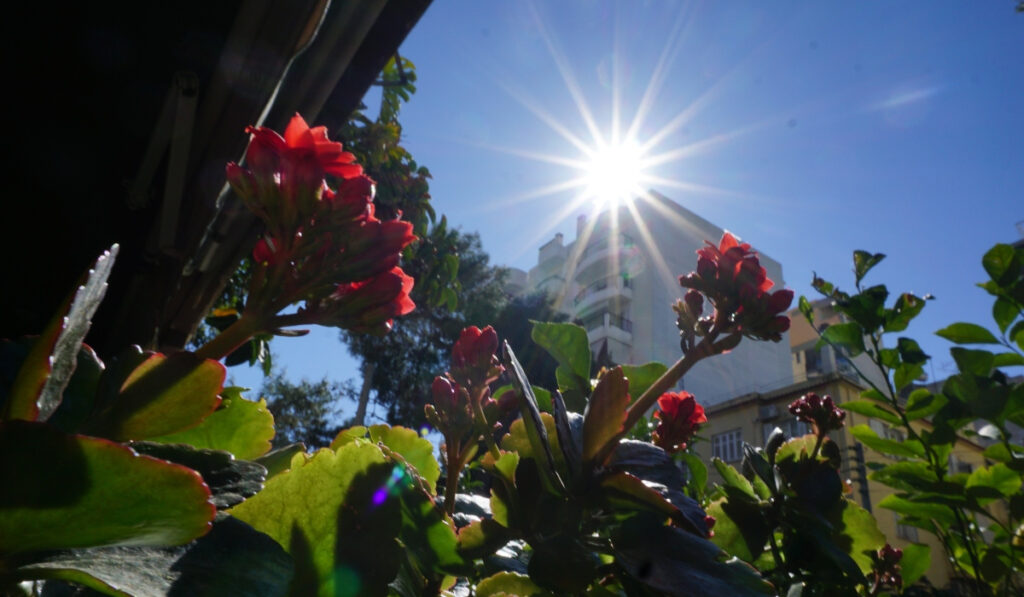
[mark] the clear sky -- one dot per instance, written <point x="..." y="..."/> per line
<point x="809" y="129"/>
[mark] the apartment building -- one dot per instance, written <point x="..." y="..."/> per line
<point x="619" y="277"/>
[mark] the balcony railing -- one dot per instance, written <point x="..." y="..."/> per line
<point x="613" y="320"/>
<point x="598" y="287"/>
<point x="625" y="241"/>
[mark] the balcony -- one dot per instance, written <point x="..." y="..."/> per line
<point x="611" y="326"/>
<point x="616" y="290"/>
<point x="596" y="257"/>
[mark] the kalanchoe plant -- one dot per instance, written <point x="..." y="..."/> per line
<point x="821" y="413"/>
<point x="886" y="572"/>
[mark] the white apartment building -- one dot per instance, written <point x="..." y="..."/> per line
<point x="619" y="277"/>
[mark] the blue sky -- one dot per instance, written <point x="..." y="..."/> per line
<point x="809" y="129"/>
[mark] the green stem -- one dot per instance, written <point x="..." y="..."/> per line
<point x="481" y="422"/>
<point x="231" y="338"/>
<point x="452" y="478"/>
<point x="644" y="403"/>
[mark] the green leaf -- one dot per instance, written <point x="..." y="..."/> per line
<point x="1017" y="334"/>
<point x="698" y="471"/>
<point x="967" y="333"/>
<point x="568" y="344"/>
<point x="856" y="533"/>
<point x="846" y="335"/>
<point x="732" y="478"/>
<point x="161" y="396"/>
<point x="867" y="307"/>
<point x="415" y="449"/>
<point x="997" y="261"/>
<point x="863" y="261"/>
<point x="907" y="448"/>
<point x="641" y="377"/>
<point x="1004" y="311"/>
<point x="739" y="528"/>
<point x="915" y="562"/>
<point x="509" y="584"/>
<point x="906" y="476"/>
<point x="46" y="371"/>
<point x="232" y="559"/>
<point x="922" y="403"/>
<point x="920" y="510"/>
<point x="906" y="308"/>
<point x="978" y="362"/>
<point x="604" y="416"/>
<point x="998" y="477"/>
<point x="910" y="351"/>
<point x="806" y="309"/>
<point x="63" y="491"/>
<point x="481" y="538"/>
<point x="518" y="441"/>
<point x="239" y="426"/>
<point x="1008" y="359"/>
<point x="338" y="515"/>
<point x="906" y="374"/>
<point x="871" y="409"/>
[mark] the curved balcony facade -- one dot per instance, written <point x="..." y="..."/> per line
<point x="612" y="293"/>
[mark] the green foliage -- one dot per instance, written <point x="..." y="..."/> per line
<point x="569" y="346"/>
<point x="303" y="412"/>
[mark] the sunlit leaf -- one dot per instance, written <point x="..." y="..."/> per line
<point x="62" y="491"/>
<point x="871" y="409"/>
<point x="509" y="584"/>
<point x="163" y="395"/>
<point x="846" y="335"/>
<point x="907" y="448"/>
<point x="239" y="426"/>
<point x="641" y="377"/>
<point x="568" y="344"/>
<point x="230" y="480"/>
<point x="604" y="416"/>
<point x="915" y="562"/>
<point x="732" y="478"/>
<point x="739" y="528"/>
<point x="415" y="449"/>
<point x="967" y="333"/>
<point x="338" y="515"/>
<point x="863" y="261"/>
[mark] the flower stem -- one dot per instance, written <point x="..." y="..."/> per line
<point x="706" y="348"/>
<point x="227" y="341"/>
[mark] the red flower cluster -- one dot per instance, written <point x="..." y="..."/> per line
<point x="679" y="416"/>
<point x="821" y="412"/>
<point x="731" y="277"/>
<point x="887" y="567"/>
<point x="321" y="246"/>
<point x="474" y="362"/>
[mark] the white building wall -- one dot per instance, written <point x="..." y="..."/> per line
<point x="664" y="246"/>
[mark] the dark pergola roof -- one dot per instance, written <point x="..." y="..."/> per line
<point x="121" y="119"/>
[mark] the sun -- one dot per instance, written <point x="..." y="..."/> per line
<point x="614" y="173"/>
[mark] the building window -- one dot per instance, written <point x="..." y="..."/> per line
<point x="905" y="532"/>
<point x="728" y="445"/>
<point x="959" y="466"/>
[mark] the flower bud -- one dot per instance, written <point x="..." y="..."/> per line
<point x="820" y="412"/>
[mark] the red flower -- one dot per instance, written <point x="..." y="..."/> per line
<point x="732" y="278"/>
<point x="887" y="567"/>
<point x="821" y="412"/>
<point x="679" y="417"/>
<point x="369" y="305"/>
<point x="473" y="358"/>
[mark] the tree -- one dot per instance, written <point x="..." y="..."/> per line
<point x="304" y="412"/>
